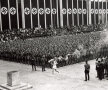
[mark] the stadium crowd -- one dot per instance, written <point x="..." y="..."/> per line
<point x="9" y="35"/>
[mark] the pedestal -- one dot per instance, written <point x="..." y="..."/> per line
<point x="13" y="82"/>
<point x="13" y="78"/>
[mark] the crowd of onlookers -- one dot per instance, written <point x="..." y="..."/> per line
<point x="40" y="32"/>
<point x="62" y="60"/>
<point x="102" y="67"/>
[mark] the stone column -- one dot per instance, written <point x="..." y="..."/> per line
<point x="9" y="15"/>
<point x="77" y="13"/>
<point x="89" y="11"/>
<point x="45" y="14"/>
<point x="57" y="14"/>
<point x="23" y="15"/>
<point x="61" y="14"/>
<point x="67" y="13"/>
<point x="0" y="18"/>
<point x="72" y="15"/>
<point x="31" y="14"/>
<point x="106" y="12"/>
<point x="38" y="13"/>
<point x="94" y="14"/>
<point x="82" y="14"/>
<point x="17" y="14"/>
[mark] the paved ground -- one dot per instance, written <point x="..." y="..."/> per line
<point x="70" y="77"/>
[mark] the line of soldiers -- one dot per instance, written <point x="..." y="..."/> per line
<point x="102" y="67"/>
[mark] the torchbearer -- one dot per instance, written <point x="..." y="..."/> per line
<point x="54" y="64"/>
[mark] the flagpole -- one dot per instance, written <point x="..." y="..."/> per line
<point x="72" y="15"/>
<point x="77" y="14"/>
<point x="31" y="14"/>
<point x="23" y="16"/>
<point x="17" y="14"/>
<point x="57" y="14"/>
<point x="38" y="13"/>
<point x="0" y="18"/>
<point x="9" y="15"/>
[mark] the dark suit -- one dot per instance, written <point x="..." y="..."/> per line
<point x="43" y="63"/>
<point x="33" y="63"/>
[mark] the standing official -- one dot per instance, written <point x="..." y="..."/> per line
<point x="87" y="70"/>
<point x="33" y="63"/>
<point x="43" y="63"/>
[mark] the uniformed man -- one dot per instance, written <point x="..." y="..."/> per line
<point x="87" y="70"/>
<point x="43" y="63"/>
<point x="33" y="63"/>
